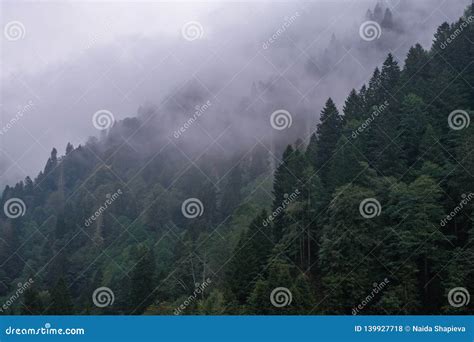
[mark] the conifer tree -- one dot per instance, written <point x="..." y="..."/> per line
<point x="250" y="258"/>
<point x="353" y="107"/>
<point x="348" y="268"/>
<point x="346" y="164"/>
<point x="412" y="126"/>
<point x="329" y="131"/>
<point x="61" y="303"/>
<point x="142" y="282"/>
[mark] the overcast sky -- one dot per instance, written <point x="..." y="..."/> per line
<point x="62" y="61"/>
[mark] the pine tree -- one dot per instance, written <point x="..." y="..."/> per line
<point x="258" y="303"/>
<point x="378" y="12"/>
<point x="353" y="107"/>
<point x="142" y="282"/>
<point x="430" y="149"/>
<point x="348" y="268"/>
<point x="374" y="95"/>
<point x="287" y="177"/>
<point x="387" y="21"/>
<point x="346" y="164"/>
<point x="415" y="211"/>
<point x="389" y="77"/>
<point x="250" y="258"/>
<point x="412" y="127"/>
<point x="329" y="131"/>
<point x="69" y="148"/>
<point x="416" y="73"/>
<point x="61" y="303"/>
<point x="52" y="162"/>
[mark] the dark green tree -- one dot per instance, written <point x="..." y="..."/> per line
<point x="61" y="302"/>
<point x="142" y="282"/>
<point x="329" y="131"/>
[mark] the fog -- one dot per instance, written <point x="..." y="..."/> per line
<point x="226" y="65"/>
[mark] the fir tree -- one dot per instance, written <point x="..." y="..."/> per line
<point x="61" y="303"/>
<point x="328" y="132"/>
<point x="142" y="282"/>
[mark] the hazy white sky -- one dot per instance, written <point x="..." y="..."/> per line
<point x="59" y="30"/>
<point x="78" y="57"/>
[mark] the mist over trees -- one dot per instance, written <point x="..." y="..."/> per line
<point x="132" y="60"/>
<point x="355" y="208"/>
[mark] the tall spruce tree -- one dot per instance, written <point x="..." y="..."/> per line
<point x="142" y="282"/>
<point x="328" y="131"/>
<point x="61" y="302"/>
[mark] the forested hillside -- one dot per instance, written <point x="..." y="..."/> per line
<point x="370" y="214"/>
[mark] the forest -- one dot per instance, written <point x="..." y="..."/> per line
<point x="372" y="213"/>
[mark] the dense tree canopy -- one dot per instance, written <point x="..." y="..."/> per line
<point x="104" y="216"/>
